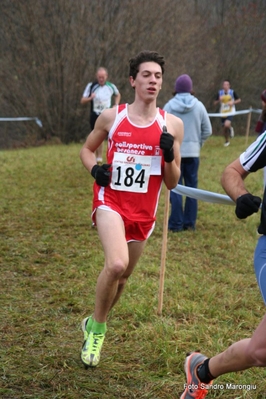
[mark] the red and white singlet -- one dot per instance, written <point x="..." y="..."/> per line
<point x="137" y="168"/>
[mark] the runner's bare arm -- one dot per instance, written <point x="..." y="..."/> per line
<point x="233" y="183"/>
<point x="172" y="169"/>
<point x="96" y="137"/>
<point x="117" y="99"/>
<point x="233" y="178"/>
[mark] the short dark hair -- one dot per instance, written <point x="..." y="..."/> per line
<point x="144" y="56"/>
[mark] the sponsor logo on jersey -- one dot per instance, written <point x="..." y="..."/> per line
<point x="125" y="134"/>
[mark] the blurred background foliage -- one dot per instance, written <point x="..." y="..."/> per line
<point x="51" y="50"/>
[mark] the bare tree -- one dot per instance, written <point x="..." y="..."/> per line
<point x="52" y="50"/>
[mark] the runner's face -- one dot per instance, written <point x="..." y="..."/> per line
<point x="101" y="77"/>
<point x="226" y="86"/>
<point x="148" y="81"/>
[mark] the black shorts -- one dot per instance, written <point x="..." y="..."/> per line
<point x="228" y="118"/>
<point x="93" y="119"/>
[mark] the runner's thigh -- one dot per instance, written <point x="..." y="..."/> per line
<point x="112" y="235"/>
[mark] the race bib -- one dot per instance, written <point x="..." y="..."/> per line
<point x="100" y="105"/>
<point x="226" y="108"/>
<point x="156" y="165"/>
<point x="131" y="172"/>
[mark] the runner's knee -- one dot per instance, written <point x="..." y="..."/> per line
<point x="116" y="269"/>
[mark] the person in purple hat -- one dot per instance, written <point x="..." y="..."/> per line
<point x="197" y="128"/>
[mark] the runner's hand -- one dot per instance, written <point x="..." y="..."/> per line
<point x="167" y="144"/>
<point x="246" y="205"/>
<point x="101" y="174"/>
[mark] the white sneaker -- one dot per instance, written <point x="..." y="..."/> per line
<point x="227" y="144"/>
<point x="232" y="133"/>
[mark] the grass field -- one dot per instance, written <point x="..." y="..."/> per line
<point x="51" y="256"/>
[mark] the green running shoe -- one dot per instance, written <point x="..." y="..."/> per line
<point x="92" y="345"/>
